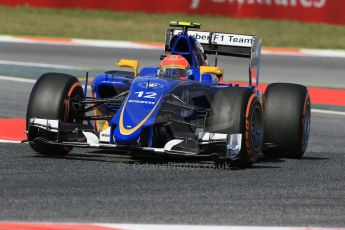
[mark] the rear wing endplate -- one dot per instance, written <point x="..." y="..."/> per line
<point x="226" y="44"/>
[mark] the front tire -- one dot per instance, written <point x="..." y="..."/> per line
<point x="238" y="110"/>
<point x="51" y="98"/>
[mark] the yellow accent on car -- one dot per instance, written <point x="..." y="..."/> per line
<point x="184" y="23"/>
<point x="173" y="66"/>
<point x="192" y="24"/>
<point x="210" y="70"/>
<point x="105" y="126"/>
<point x="129" y="64"/>
<point x="125" y="131"/>
<point x="100" y="124"/>
<point x="174" y="56"/>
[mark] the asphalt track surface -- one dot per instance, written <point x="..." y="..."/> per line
<point x="93" y="186"/>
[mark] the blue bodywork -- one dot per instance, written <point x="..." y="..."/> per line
<point x="147" y="94"/>
<point x="140" y="109"/>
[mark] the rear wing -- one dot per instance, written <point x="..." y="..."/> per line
<point x="226" y="44"/>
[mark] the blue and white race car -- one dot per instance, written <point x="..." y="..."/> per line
<point x="179" y="108"/>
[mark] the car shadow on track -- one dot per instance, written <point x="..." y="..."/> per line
<point x="87" y="157"/>
<point x="309" y="158"/>
<point x="107" y="156"/>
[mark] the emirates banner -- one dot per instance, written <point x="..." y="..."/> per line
<point x="318" y="11"/>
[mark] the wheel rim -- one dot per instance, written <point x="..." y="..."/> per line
<point x="306" y="124"/>
<point x="256" y="130"/>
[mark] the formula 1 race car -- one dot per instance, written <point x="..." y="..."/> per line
<point x="180" y="108"/>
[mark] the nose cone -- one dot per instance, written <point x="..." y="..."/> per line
<point x="134" y="115"/>
<point x="140" y="109"/>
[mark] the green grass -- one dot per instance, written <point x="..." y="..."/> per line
<point x="76" y="23"/>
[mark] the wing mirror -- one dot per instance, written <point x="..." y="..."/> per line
<point x="134" y="64"/>
<point x="215" y="70"/>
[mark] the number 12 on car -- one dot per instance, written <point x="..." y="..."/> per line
<point x="142" y="94"/>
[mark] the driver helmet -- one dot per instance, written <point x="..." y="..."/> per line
<point x="174" y="67"/>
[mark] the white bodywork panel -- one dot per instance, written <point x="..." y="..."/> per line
<point x="104" y="136"/>
<point x="234" y="144"/>
<point x="50" y="125"/>
<point x="233" y="147"/>
<point x="237" y="40"/>
<point x="168" y="146"/>
<point x="91" y="139"/>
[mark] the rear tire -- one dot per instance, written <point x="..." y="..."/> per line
<point x="50" y="98"/>
<point x="286" y="120"/>
<point x="238" y="110"/>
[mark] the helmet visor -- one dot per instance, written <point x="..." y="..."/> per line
<point x="172" y="73"/>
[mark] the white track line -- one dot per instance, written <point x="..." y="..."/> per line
<point x="306" y="53"/>
<point x="32" y="64"/>
<point x="324" y="53"/>
<point x="328" y="112"/>
<point x="114" y="44"/>
<point x="180" y="227"/>
<point x="8" y="141"/>
<point x="18" y="79"/>
<point x="99" y="226"/>
<point x="79" y="42"/>
<point x="204" y="227"/>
